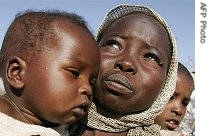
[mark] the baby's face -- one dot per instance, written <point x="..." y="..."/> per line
<point x="135" y="57"/>
<point x="175" y="109"/>
<point x="60" y="84"/>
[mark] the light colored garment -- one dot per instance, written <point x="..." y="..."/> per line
<point x="12" y="127"/>
<point x="170" y="133"/>
<point x="2" y="91"/>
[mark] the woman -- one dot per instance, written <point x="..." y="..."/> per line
<point x="137" y="74"/>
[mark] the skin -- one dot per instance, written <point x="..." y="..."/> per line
<point x="57" y="88"/>
<point x="175" y="109"/>
<point x="134" y="50"/>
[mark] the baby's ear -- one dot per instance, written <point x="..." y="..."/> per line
<point x="15" y="72"/>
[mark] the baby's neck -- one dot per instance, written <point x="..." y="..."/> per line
<point x="9" y="107"/>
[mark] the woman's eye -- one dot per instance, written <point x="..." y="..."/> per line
<point x="74" y="72"/>
<point x="113" y="44"/>
<point x="153" y="57"/>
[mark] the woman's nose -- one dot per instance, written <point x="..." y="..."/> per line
<point x="126" y="64"/>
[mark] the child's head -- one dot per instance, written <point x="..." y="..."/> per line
<point x="138" y="67"/>
<point x="49" y="65"/>
<point x="176" y="107"/>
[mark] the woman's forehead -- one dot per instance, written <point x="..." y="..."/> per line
<point x="141" y="27"/>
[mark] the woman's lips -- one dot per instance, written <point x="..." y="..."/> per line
<point x="118" y="83"/>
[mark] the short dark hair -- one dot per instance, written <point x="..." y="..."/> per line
<point x="30" y="31"/>
<point x="183" y="70"/>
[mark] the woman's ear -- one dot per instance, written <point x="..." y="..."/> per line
<point x="15" y="72"/>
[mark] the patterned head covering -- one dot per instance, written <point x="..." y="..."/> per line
<point x="138" y="124"/>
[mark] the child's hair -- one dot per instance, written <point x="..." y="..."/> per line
<point x="30" y="33"/>
<point x="183" y="70"/>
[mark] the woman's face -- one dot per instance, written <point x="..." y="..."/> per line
<point x="135" y="56"/>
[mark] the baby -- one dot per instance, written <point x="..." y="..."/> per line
<point x="49" y="65"/>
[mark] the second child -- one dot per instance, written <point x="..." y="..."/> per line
<point x="175" y="109"/>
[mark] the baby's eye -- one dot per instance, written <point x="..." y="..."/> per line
<point x="74" y="72"/>
<point x="153" y="57"/>
<point x="113" y="44"/>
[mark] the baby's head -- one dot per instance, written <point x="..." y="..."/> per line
<point x="49" y="65"/>
<point x="32" y="32"/>
<point x="175" y="109"/>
